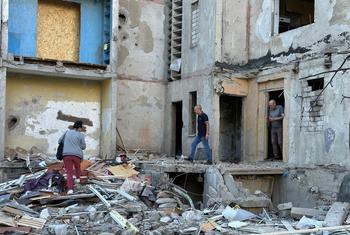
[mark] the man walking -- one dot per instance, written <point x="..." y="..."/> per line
<point x="202" y="135"/>
<point x="276" y="115"/>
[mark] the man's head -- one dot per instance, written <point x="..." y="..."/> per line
<point x="272" y="104"/>
<point x="198" y="109"/>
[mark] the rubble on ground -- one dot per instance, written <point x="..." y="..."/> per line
<point x="117" y="198"/>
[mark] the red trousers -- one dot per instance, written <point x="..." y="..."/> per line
<point x="69" y="163"/>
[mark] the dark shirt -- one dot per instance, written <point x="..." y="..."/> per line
<point x="277" y="112"/>
<point x="202" y="130"/>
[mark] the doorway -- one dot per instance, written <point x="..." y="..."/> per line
<point x="177" y="109"/>
<point x="278" y="96"/>
<point x="230" y="128"/>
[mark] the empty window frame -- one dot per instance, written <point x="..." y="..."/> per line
<point x="194" y="23"/>
<point x="192" y="115"/>
<point x="316" y="84"/>
<point x="293" y="14"/>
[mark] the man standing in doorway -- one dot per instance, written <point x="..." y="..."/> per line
<point x="202" y="135"/>
<point x="276" y="115"/>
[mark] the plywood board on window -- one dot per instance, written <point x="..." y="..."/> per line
<point x="58" y="30"/>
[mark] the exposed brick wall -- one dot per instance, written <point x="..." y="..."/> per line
<point x="312" y="114"/>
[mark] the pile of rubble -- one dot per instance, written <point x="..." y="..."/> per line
<point x="116" y="198"/>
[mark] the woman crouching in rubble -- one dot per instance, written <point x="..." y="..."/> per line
<point x="73" y="146"/>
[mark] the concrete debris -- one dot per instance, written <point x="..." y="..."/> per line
<point x="298" y="212"/>
<point x="107" y="202"/>
<point x="337" y="214"/>
<point x="285" y="206"/>
<point x="305" y="223"/>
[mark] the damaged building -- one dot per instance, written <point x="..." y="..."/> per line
<point x="133" y="70"/>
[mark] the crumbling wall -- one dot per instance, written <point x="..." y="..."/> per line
<point x="327" y="32"/>
<point x="39" y="110"/>
<point x="309" y="186"/>
<point x="180" y="91"/>
<point x="196" y="70"/>
<point x="319" y="133"/>
<point x="141" y="74"/>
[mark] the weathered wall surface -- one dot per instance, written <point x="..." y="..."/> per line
<point x="180" y="91"/>
<point x="324" y="139"/>
<point x="234" y="36"/>
<point x="198" y="61"/>
<point x="328" y="31"/>
<point x="141" y="74"/>
<point x="197" y="65"/>
<point x="141" y="39"/>
<point x="141" y="114"/>
<point x="35" y="101"/>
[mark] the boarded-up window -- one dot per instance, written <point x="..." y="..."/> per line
<point x="58" y="30"/>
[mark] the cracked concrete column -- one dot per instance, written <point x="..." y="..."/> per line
<point x="2" y="111"/>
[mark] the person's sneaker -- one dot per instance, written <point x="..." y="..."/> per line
<point x="70" y="191"/>
<point x="209" y="163"/>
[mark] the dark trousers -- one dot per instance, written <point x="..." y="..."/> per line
<point x="71" y="162"/>
<point x="276" y="140"/>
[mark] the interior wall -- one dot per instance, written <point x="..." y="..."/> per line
<point x="140" y="115"/>
<point x="231" y="131"/>
<point x="36" y="101"/>
<point x="141" y="74"/>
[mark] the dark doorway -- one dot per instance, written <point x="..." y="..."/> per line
<point x="278" y="96"/>
<point x="177" y="106"/>
<point x="230" y="128"/>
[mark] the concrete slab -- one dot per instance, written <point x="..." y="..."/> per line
<point x="337" y="214"/>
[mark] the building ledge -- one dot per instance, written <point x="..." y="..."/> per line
<point x="66" y="69"/>
<point x="259" y="168"/>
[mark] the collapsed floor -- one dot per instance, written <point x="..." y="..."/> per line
<point x="152" y="195"/>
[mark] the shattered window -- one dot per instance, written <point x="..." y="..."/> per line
<point x="295" y="13"/>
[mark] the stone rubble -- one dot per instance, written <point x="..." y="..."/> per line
<point x="137" y="205"/>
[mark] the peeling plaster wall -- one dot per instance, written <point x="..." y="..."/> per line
<point x="141" y="74"/>
<point x="330" y="142"/>
<point x="35" y="101"/>
<point x="199" y="60"/>
<point x="141" y="115"/>
<point x="141" y="39"/>
<point x="328" y="32"/>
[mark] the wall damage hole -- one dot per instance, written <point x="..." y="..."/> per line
<point x="70" y="118"/>
<point x="316" y="84"/>
<point x="122" y="19"/>
<point x="12" y="122"/>
<point x="193" y="183"/>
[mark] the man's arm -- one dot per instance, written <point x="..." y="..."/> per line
<point x="277" y="118"/>
<point x="207" y="129"/>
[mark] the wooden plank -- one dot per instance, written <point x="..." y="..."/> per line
<point x="7" y="220"/>
<point x="123" y="171"/>
<point x="12" y="211"/>
<point x="58" y="30"/>
<point x="28" y="221"/>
